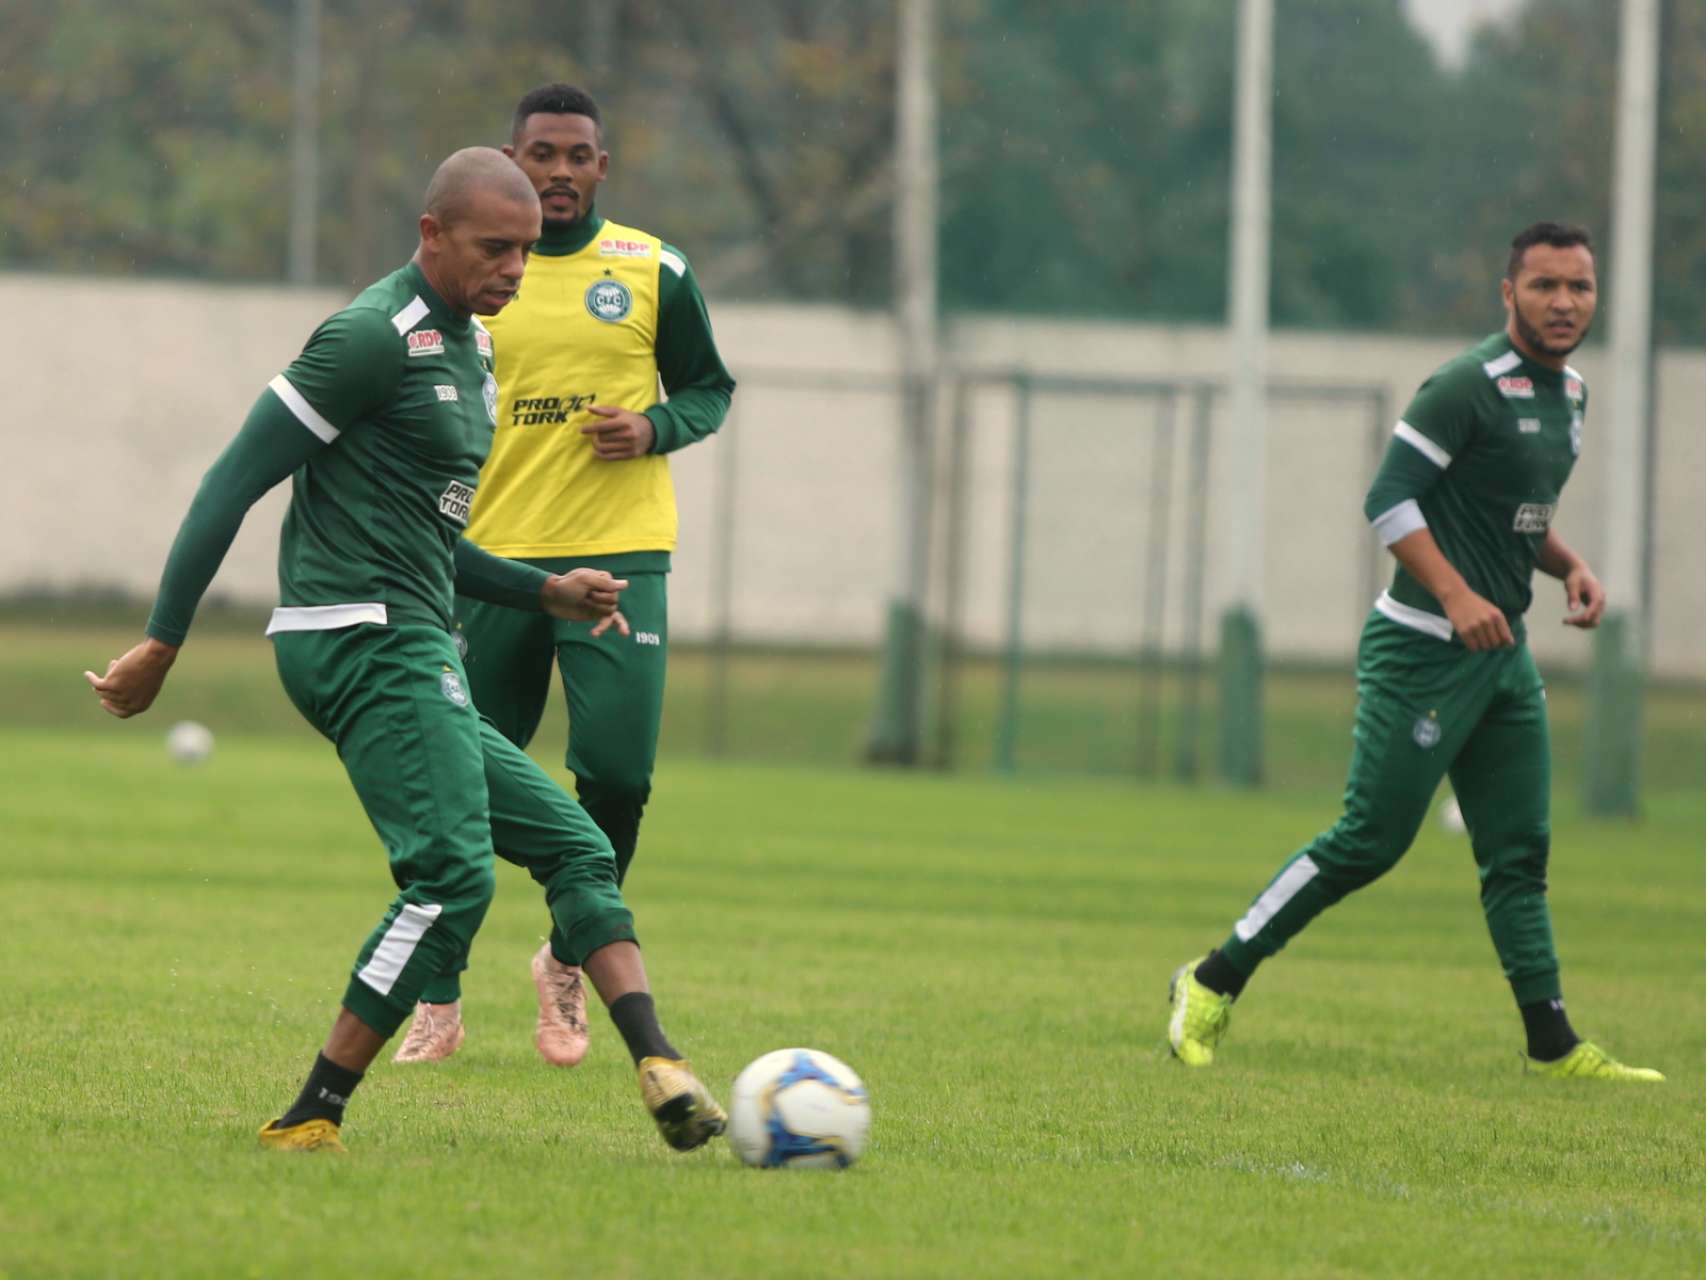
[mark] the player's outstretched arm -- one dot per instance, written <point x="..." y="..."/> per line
<point x="1582" y="591"/>
<point x="581" y="595"/>
<point x="266" y="450"/>
<point x="496" y="579"/>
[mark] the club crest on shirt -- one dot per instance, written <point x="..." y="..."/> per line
<point x="609" y="300"/>
<point x="489" y="389"/>
<point x="1425" y="732"/>
<point x="460" y="639"/>
<point x="1576" y="434"/>
<point x="1516" y="387"/>
<point x="426" y="342"/>
<point x="450" y="685"/>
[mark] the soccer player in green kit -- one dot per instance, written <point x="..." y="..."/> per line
<point x="382" y="423"/>
<point x="1465" y="499"/>
<point x="579" y="474"/>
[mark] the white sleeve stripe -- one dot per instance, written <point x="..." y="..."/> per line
<point x="305" y="413"/>
<point x="1416" y="440"/>
<point x="1400" y="522"/>
<point x="1504" y="364"/>
<point x="410" y="315"/>
<point x="673" y="262"/>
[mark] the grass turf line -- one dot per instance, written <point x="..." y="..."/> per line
<point x="991" y="957"/>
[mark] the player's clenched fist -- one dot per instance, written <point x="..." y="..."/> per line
<point x="586" y="595"/>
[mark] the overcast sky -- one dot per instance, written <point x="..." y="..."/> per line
<point x="1448" y="23"/>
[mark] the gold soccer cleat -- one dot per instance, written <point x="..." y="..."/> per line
<point x="310" y="1135"/>
<point x="686" y="1113"/>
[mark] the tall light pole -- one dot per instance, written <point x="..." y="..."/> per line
<point x="897" y="729"/>
<point x="1612" y="773"/>
<point x="1247" y="308"/>
<point x="304" y="143"/>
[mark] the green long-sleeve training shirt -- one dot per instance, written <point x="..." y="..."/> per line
<point x="381" y="424"/>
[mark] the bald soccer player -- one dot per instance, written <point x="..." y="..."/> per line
<point x="381" y="423"/>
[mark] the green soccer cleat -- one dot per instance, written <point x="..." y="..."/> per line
<point x="310" y="1135"/>
<point x="1200" y="1016"/>
<point x="1587" y="1061"/>
<point x="686" y="1113"/>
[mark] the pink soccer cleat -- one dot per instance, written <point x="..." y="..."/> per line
<point x="561" y="1036"/>
<point x="434" y="1035"/>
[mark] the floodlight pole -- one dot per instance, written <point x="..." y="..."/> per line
<point x="1247" y="307"/>
<point x="897" y="729"/>
<point x="304" y="143"/>
<point x="1611" y="778"/>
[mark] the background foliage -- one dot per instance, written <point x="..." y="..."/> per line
<point x="1085" y="147"/>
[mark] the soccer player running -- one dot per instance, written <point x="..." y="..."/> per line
<point x="579" y="475"/>
<point x="1464" y="498"/>
<point x="382" y="422"/>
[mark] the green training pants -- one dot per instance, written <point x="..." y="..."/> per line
<point x="1426" y="708"/>
<point x="444" y="790"/>
<point x="614" y="686"/>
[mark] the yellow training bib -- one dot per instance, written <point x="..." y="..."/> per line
<point x="582" y="331"/>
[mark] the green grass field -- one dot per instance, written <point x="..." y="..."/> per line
<point x="990" y="954"/>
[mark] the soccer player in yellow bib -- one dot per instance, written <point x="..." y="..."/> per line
<point x="578" y="475"/>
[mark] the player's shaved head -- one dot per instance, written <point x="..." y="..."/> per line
<point x="464" y="173"/>
<point x="481" y="221"/>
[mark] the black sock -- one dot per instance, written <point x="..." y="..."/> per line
<point x="325" y="1095"/>
<point x="637" y="1020"/>
<point x="1550" y="1035"/>
<point x="1216" y="973"/>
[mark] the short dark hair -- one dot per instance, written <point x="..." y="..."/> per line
<point x="555" y="100"/>
<point x="1559" y="235"/>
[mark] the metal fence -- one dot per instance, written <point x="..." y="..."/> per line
<point x="1097" y="492"/>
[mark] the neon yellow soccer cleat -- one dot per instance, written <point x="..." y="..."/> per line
<point x="686" y="1113"/>
<point x="310" y="1135"/>
<point x="1200" y="1017"/>
<point x="1587" y="1061"/>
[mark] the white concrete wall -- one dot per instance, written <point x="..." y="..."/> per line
<point x="118" y="394"/>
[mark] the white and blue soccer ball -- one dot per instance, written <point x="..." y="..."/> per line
<point x="799" y="1109"/>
